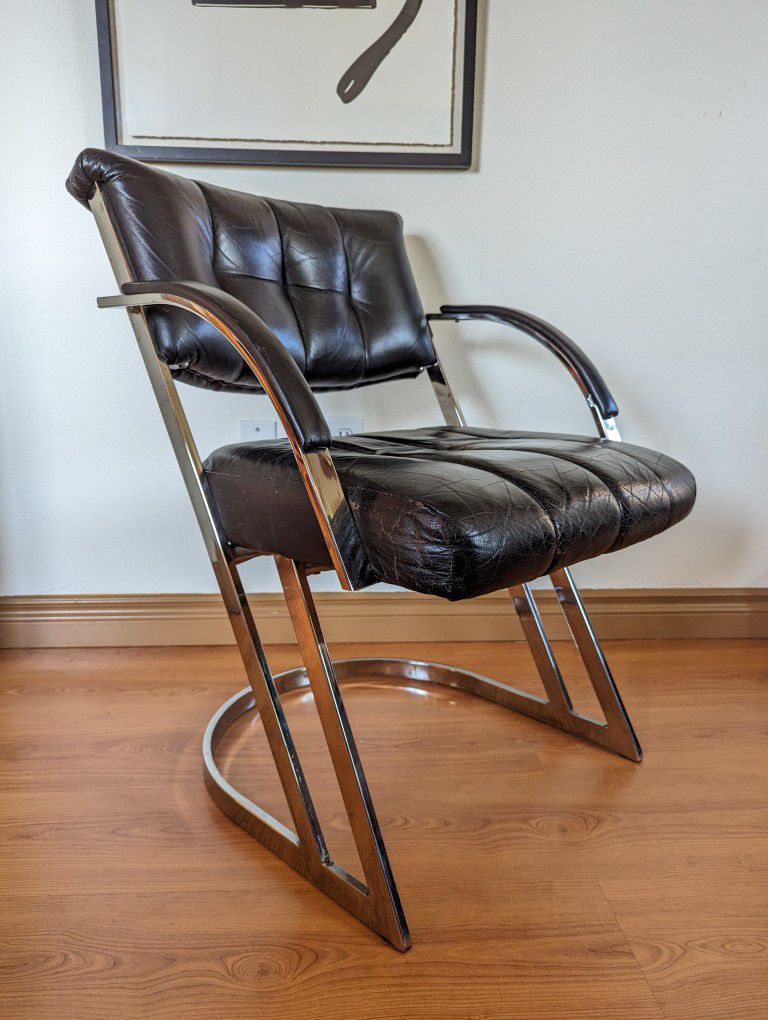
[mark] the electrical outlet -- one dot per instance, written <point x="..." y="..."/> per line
<point x="254" y="429"/>
<point x="344" y="425"/>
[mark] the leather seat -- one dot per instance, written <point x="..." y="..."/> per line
<point x="457" y="512"/>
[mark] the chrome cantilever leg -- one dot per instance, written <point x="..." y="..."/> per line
<point x="616" y="733"/>
<point x="375" y="903"/>
<point x="383" y="910"/>
<point x="618" y="729"/>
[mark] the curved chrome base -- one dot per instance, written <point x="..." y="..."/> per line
<point x="253" y="818"/>
<point x="311" y="858"/>
<point x="376" y="901"/>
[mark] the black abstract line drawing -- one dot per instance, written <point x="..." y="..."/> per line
<point x="360" y="72"/>
<point x="354" y="80"/>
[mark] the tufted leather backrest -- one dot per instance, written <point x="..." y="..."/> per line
<point x="334" y="285"/>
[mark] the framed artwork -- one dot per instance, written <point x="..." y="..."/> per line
<point x="339" y="83"/>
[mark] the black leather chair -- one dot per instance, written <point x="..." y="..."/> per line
<point x="232" y="292"/>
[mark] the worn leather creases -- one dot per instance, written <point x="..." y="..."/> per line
<point x="458" y="512"/>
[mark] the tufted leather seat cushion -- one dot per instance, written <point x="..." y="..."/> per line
<point x="457" y="512"/>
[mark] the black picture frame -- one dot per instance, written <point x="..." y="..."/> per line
<point x="458" y="160"/>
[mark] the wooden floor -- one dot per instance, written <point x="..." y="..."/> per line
<point x="542" y="877"/>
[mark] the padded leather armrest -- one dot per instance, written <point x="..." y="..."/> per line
<point x="576" y="361"/>
<point x="275" y="369"/>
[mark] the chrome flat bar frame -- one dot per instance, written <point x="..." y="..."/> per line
<point x="386" y="911"/>
<point x="618" y="729"/>
<point x="446" y="399"/>
<point x="616" y="733"/>
<point x="377" y="904"/>
<point x="376" y="901"/>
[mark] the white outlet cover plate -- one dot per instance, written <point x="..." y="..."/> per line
<point x="344" y="424"/>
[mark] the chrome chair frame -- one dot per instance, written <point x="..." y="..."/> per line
<point x="375" y="901"/>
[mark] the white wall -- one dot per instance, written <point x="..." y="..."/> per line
<point x="620" y="192"/>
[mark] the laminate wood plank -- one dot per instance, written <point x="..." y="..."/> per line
<point x="542" y="877"/>
<point x="701" y="939"/>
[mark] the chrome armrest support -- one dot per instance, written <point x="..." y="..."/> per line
<point x="588" y="378"/>
<point x="315" y="464"/>
<point x="276" y="371"/>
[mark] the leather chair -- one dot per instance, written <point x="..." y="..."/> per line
<point x="233" y="292"/>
